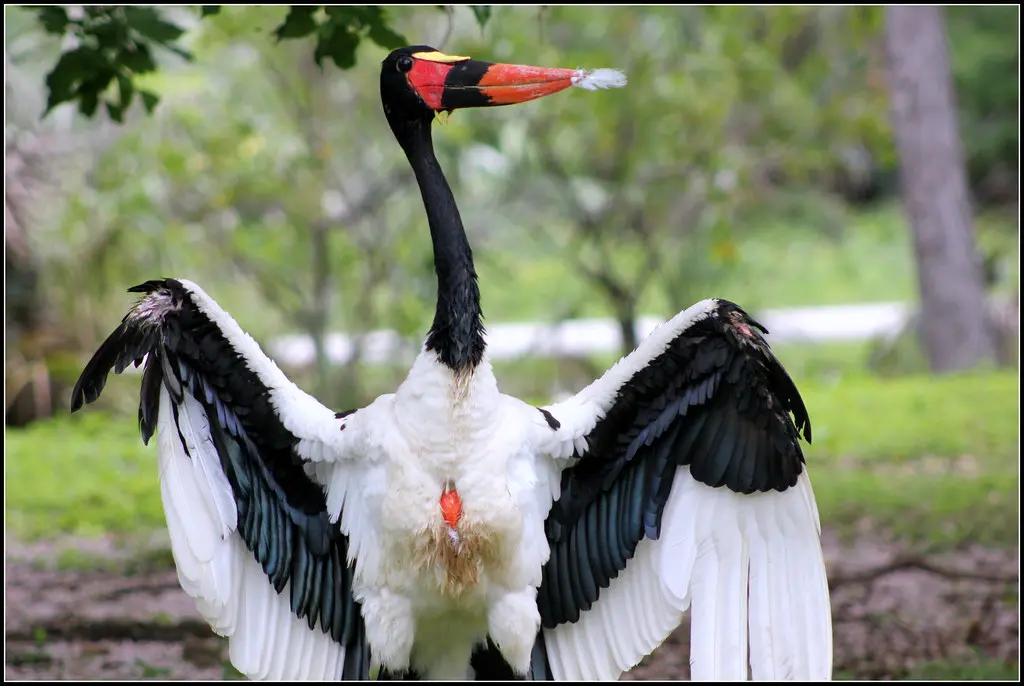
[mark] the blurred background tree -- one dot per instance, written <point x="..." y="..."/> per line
<point x="954" y="322"/>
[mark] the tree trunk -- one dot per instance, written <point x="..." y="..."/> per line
<point x="955" y="329"/>
<point x="625" y="315"/>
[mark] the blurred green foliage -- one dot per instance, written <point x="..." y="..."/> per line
<point x="640" y="191"/>
<point x="116" y="44"/>
<point x="275" y="184"/>
<point x="846" y="418"/>
<point x="113" y="45"/>
<point x="985" y="50"/>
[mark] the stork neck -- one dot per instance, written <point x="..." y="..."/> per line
<point x="457" y="332"/>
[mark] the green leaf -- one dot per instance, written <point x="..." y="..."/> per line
<point x="88" y="101"/>
<point x="137" y="59"/>
<point x="339" y="43"/>
<point x="73" y="67"/>
<point x="54" y="19"/>
<point x="126" y="89"/>
<point x="60" y="82"/>
<point x="298" y="23"/>
<point x="350" y="15"/>
<point x="149" y="99"/>
<point x="341" y="34"/>
<point x="148" y="22"/>
<point x="386" y="37"/>
<point x="108" y="26"/>
<point x="865" y="22"/>
<point x="180" y="52"/>
<point x="208" y="10"/>
<point x="98" y="82"/>
<point x="482" y="14"/>
<point x="116" y="112"/>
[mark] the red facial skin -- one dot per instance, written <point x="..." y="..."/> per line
<point x="427" y="79"/>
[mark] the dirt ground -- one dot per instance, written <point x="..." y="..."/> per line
<point x="892" y="611"/>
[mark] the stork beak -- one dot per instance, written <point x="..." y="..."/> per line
<point x="447" y="82"/>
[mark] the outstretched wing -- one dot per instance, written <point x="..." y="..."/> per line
<point x="244" y="458"/>
<point x="687" y="489"/>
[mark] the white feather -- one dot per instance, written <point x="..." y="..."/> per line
<point x="712" y="541"/>
<point x="301" y="413"/>
<point x="592" y="80"/>
<point x="750" y="565"/>
<point x="216" y="491"/>
<point x="231" y="590"/>
<point x="631" y="618"/>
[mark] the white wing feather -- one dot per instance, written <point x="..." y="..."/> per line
<point x="301" y="413"/>
<point x="231" y="590"/>
<point x="267" y="640"/>
<point x="214" y="566"/>
<point x="749" y="568"/>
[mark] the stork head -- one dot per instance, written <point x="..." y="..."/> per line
<point x="417" y="82"/>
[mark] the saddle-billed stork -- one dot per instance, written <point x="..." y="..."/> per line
<point x="449" y="531"/>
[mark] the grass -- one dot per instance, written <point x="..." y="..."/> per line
<point x="138" y="560"/>
<point x="956" y="670"/>
<point x="85" y="475"/>
<point x="932" y="460"/>
<point x="983" y="669"/>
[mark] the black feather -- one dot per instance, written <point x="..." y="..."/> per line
<point x="328" y="587"/>
<point x="282" y="515"/>
<point x="578" y="592"/>
<point x="338" y="608"/>
<point x="550" y="419"/>
<point x="715" y="401"/>
<point x="594" y="560"/>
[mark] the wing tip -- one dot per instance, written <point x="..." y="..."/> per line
<point x="77" y="398"/>
<point x="152" y="286"/>
<point x="90" y="384"/>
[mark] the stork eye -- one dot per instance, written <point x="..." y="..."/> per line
<point x="404" y="63"/>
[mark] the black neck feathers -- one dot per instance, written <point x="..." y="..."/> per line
<point x="457" y="334"/>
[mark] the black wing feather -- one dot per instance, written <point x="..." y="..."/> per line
<point x="282" y="513"/>
<point x="716" y="400"/>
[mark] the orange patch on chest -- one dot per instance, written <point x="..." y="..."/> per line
<point x="451" y="507"/>
<point x="457" y="551"/>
